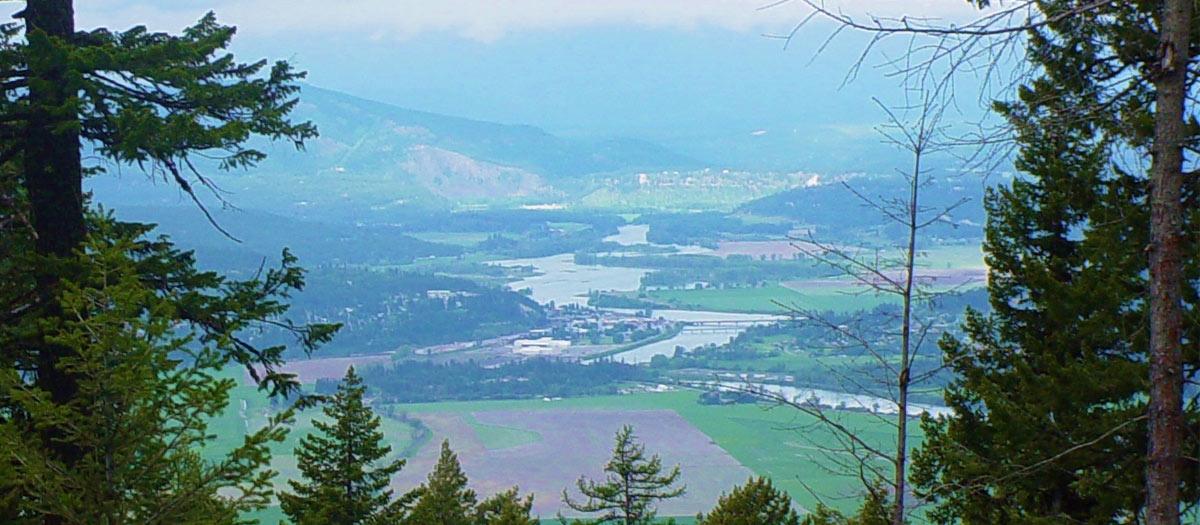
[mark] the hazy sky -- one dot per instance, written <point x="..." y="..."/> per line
<point x="490" y="20"/>
<point x="682" y="72"/>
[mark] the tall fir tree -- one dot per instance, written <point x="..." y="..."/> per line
<point x="148" y="388"/>
<point x="1050" y="404"/>
<point x="444" y="498"/>
<point x="634" y="484"/>
<point x="757" y="502"/>
<point x="340" y="483"/>
<point x="151" y="101"/>
<point x="172" y="105"/>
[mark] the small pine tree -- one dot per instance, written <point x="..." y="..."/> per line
<point x="876" y="509"/>
<point x="632" y="485"/>
<point x="339" y="486"/>
<point x="444" y="499"/>
<point x="505" y="508"/>
<point x="757" y="502"/>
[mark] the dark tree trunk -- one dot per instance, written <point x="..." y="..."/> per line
<point x="53" y="177"/>
<point x="53" y="169"/>
<point x="1164" y="461"/>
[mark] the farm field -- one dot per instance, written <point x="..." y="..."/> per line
<point x="776" y="442"/>
<point x="764" y="299"/>
<point x="541" y="467"/>
<point x="464" y="239"/>
<point x="520" y="442"/>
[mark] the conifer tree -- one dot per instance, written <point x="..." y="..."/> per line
<point x="634" y="483"/>
<point x="757" y="502"/>
<point x="173" y="105"/>
<point x="147" y="390"/>
<point x="506" y="508"/>
<point x="875" y="509"/>
<point x="444" y="498"/>
<point x="1050" y="403"/>
<point x="340" y="483"/>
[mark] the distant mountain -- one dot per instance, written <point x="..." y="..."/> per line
<point x="834" y="208"/>
<point x="361" y="127"/>
<point x="376" y="155"/>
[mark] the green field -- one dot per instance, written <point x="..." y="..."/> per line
<point x="952" y="256"/>
<point x="497" y="437"/>
<point x="249" y="409"/>
<point x="776" y="442"/>
<point x="465" y="239"/>
<point x="775" y="299"/>
<point x="781" y="443"/>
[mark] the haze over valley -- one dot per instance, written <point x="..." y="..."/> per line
<point x="599" y="262"/>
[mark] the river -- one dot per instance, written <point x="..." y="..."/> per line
<point x="560" y="280"/>
<point x="831" y="399"/>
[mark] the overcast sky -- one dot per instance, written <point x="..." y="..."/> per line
<point x="689" y="74"/>
<point x="488" y="20"/>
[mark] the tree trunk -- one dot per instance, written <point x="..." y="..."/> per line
<point x="53" y="169"/>
<point x="53" y="177"/>
<point x="902" y="382"/>
<point x="1164" y="461"/>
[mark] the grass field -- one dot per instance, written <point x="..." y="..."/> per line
<point x="249" y="409"/>
<point x="952" y="256"/>
<point x="765" y="299"/>
<point x="777" y="442"/>
<point x="466" y="239"/>
<point x="500" y="437"/>
<point x="780" y="443"/>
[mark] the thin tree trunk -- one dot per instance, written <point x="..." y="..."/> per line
<point x="53" y="178"/>
<point x="1163" y="470"/>
<point x="902" y="382"/>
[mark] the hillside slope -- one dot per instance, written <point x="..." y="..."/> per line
<point x="372" y="155"/>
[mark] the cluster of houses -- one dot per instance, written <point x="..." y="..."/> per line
<point x="576" y="325"/>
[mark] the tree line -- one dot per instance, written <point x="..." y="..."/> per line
<point x="412" y="381"/>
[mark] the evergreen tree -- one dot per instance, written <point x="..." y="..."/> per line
<point x="444" y="498"/>
<point x="876" y="509"/>
<point x="1050" y="401"/>
<point x="135" y="98"/>
<point x="633" y="484"/>
<point x="340" y="483"/>
<point x="757" y="502"/>
<point x="172" y="105"/>
<point x="505" y="508"/>
<point x="147" y="390"/>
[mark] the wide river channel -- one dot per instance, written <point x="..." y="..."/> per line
<point x="560" y="280"/>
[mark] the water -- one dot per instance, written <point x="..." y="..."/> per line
<point x="635" y="234"/>
<point x="630" y="235"/>
<point x="689" y="339"/>
<point x="831" y="399"/>
<point x="560" y="280"/>
<point x="563" y="282"/>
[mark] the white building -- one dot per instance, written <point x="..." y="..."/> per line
<point x="540" y="346"/>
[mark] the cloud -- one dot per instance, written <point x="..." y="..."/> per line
<point x="484" y="20"/>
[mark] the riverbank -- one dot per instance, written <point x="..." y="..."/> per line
<point x="666" y="336"/>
